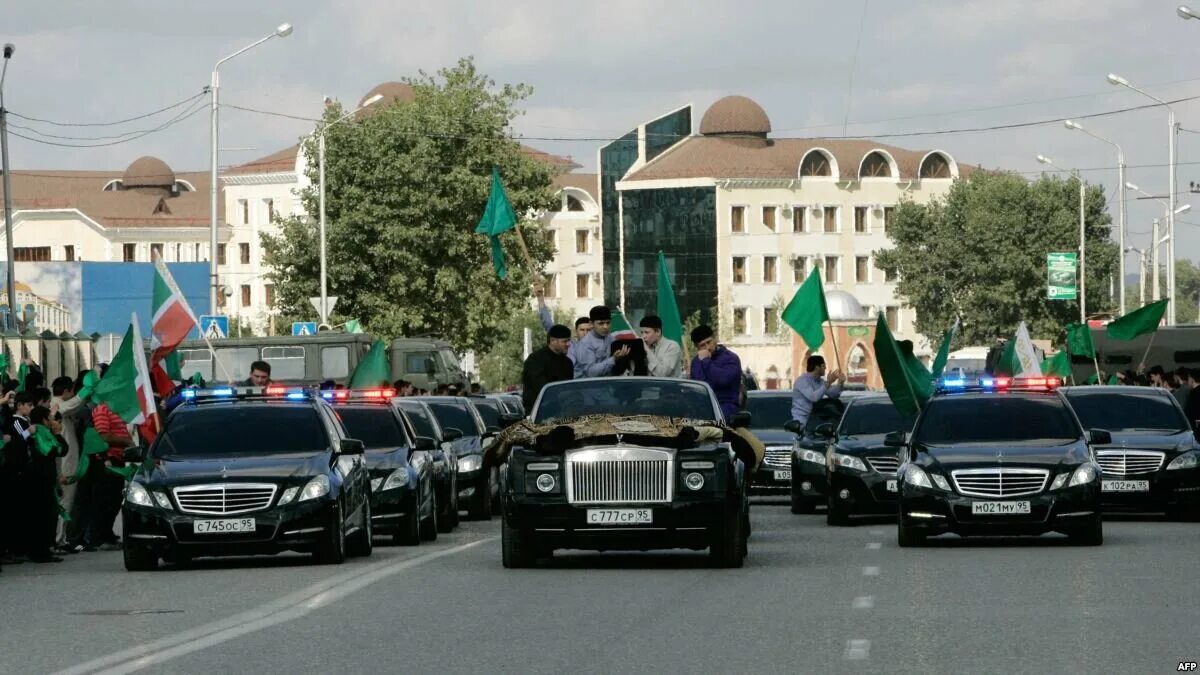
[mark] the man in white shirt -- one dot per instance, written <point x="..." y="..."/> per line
<point x="664" y="358"/>
<point x="813" y="386"/>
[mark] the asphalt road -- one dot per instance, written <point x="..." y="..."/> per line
<point x="810" y="599"/>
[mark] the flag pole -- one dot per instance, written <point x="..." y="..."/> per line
<point x="837" y="358"/>
<point x="1096" y="360"/>
<point x="1148" y="348"/>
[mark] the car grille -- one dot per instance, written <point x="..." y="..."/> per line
<point x="778" y="455"/>
<point x="1000" y="482"/>
<point x="224" y="499"/>
<point x="885" y="464"/>
<point x="1129" y="462"/>
<point x="619" y="476"/>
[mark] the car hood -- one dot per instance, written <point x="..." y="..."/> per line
<point x="861" y="445"/>
<point x="467" y="445"/>
<point x="998" y="454"/>
<point x="168" y="470"/>
<point x="773" y="436"/>
<point x="1141" y="440"/>
<point x="386" y="458"/>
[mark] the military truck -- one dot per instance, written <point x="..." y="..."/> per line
<point x="1170" y="347"/>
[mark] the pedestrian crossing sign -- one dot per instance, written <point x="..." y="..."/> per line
<point x="214" y="326"/>
<point x="302" y="328"/>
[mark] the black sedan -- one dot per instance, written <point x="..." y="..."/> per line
<point x="1153" y="462"/>
<point x="246" y="472"/>
<point x="810" y="482"/>
<point x="995" y="460"/>
<point x="478" y="484"/>
<point x="445" y="463"/>
<point x="770" y="411"/>
<point x="861" y="469"/>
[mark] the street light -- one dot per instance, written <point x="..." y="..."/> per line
<point x="323" y="310"/>
<point x="9" y="48"/>
<point x="1186" y="12"/>
<point x="1155" y="242"/>
<point x="1075" y="126"/>
<point x="1172" y="139"/>
<point x="284" y="30"/>
<point x="1082" y="239"/>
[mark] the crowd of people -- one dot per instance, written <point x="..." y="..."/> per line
<point x="1183" y="383"/>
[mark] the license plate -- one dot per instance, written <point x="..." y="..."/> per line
<point x="999" y="508"/>
<point x="1125" y="486"/>
<point x="619" y="516"/>
<point x="223" y="526"/>
<point x="783" y="475"/>
<point x="891" y="486"/>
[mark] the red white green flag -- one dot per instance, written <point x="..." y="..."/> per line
<point x="126" y="386"/>
<point x="171" y="319"/>
<point x="621" y="330"/>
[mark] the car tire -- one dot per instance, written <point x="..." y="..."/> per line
<point x="835" y="515"/>
<point x="728" y="548"/>
<point x="480" y="506"/>
<point x="445" y="521"/>
<point x="1091" y="535"/>
<point x="454" y="517"/>
<point x="428" y="528"/>
<point x="517" y="546"/>
<point x="362" y="542"/>
<point x="332" y="550"/>
<point x="138" y="559"/>
<point x="907" y="537"/>
<point x="494" y="488"/>
<point x="408" y="532"/>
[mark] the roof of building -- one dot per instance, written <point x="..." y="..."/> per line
<point x="139" y="207"/>
<point x="392" y="92"/>
<point x="148" y="171"/>
<point x="282" y="160"/>
<point x="588" y="182"/>
<point x="843" y="306"/>
<point x="735" y="115"/>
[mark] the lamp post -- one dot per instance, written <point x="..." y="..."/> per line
<point x="1082" y="238"/>
<point x="8" y="224"/>
<point x="1075" y="126"/>
<point x="1155" y="242"/>
<point x="1172" y="140"/>
<point x="284" y="30"/>
<point x="1141" y="254"/>
<point x="324" y="309"/>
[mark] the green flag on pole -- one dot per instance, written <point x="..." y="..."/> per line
<point x="354" y="326"/>
<point x="498" y="217"/>
<point x="621" y="329"/>
<point x="171" y="365"/>
<point x="1079" y="340"/>
<point x="1058" y="365"/>
<point x="807" y="313"/>
<point x="943" y="352"/>
<point x="373" y="370"/>
<point x="1008" y="365"/>
<point x="668" y="309"/>
<point x="1138" y="322"/>
<point x="898" y="374"/>
<point x="126" y="387"/>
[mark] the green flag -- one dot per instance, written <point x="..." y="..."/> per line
<point x="126" y="387"/>
<point x="45" y="441"/>
<point x="807" y="311"/>
<point x="668" y="309"/>
<point x="90" y="380"/>
<point x="1079" y="340"/>
<point x="498" y="217"/>
<point x="22" y="372"/>
<point x="4" y="364"/>
<point x="943" y="352"/>
<point x="93" y="444"/>
<point x="620" y="328"/>
<point x="1138" y="322"/>
<point x="1008" y="364"/>
<point x="354" y="326"/>
<point x="373" y="370"/>
<point x="171" y="365"/>
<point x="897" y="372"/>
<point x="1058" y="365"/>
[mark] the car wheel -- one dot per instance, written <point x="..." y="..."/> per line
<point x="517" y="546"/>
<point x="480" y="507"/>
<point x="332" y="551"/>
<point x="138" y="559"/>
<point x="408" y="532"/>
<point x="1091" y="535"/>
<point x="429" y="526"/>
<point x="728" y="548"/>
<point x="907" y="537"/>
<point x="363" y="541"/>
<point x="494" y="489"/>
<point x="836" y="515"/>
<point x="446" y="517"/>
<point x="454" y="519"/>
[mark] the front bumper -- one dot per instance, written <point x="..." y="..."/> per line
<point x="867" y="493"/>
<point x="1167" y="490"/>
<point x="934" y="512"/>
<point x="295" y="527"/>
<point x="810" y="480"/>
<point x="391" y="507"/>
<point x="771" y="477"/>
<point x="680" y="524"/>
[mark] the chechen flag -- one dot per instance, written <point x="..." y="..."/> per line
<point x="126" y="387"/>
<point x="171" y="318"/>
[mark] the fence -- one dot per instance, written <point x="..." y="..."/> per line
<point x="56" y="354"/>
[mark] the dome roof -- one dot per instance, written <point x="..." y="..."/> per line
<point x="148" y="172"/>
<point x="735" y="115"/>
<point x="392" y="92"/>
<point x="844" y="307"/>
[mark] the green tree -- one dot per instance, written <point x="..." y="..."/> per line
<point x="979" y="253"/>
<point x="501" y="365"/>
<point x="405" y="187"/>
<point x="1187" y="282"/>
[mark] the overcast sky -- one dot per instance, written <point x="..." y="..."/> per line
<point x="600" y="68"/>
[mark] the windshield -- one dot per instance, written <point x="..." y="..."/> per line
<point x="422" y="423"/>
<point x="769" y="412"/>
<point x="632" y="396"/>
<point x="1123" y="411"/>
<point x="874" y="418"/>
<point x="455" y="416"/>
<point x="489" y="411"/>
<point x="1000" y="418"/>
<point x="825" y="411"/>
<point x="375" y="426"/>
<point x="220" y="430"/>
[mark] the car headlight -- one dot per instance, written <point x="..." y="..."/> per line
<point x="1083" y="475"/>
<point x="545" y="482"/>
<point x="136" y="494"/>
<point x="847" y="461"/>
<point x="1059" y="481"/>
<point x="398" y="478"/>
<point x="162" y="500"/>
<point x="812" y="456"/>
<point x="694" y="481"/>
<point x="1188" y="460"/>
<point x="918" y="477"/>
<point x="288" y="495"/>
<point x="317" y="487"/>
<point x="470" y="463"/>
<point x="940" y="481"/>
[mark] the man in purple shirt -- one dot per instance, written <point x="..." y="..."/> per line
<point x="719" y="367"/>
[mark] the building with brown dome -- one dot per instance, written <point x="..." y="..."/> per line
<point x="743" y="217"/>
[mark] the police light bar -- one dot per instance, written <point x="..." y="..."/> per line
<point x="995" y="382"/>
<point x="347" y="394"/>
<point x="954" y="383"/>
<point x="229" y="392"/>
<point x="1037" y="382"/>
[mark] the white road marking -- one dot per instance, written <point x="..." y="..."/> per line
<point x="871" y="571"/>
<point x="874" y="546"/>
<point x="877" y="532"/>
<point x="288" y="608"/>
<point x="864" y="602"/>
<point x="857" y="650"/>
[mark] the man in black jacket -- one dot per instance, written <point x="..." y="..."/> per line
<point x="546" y="365"/>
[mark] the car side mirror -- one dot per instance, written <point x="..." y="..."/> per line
<point x="824" y="430"/>
<point x="741" y="419"/>
<point x="424" y="443"/>
<point x="451" y="434"/>
<point x="134" y="454"/>
<point x="351" y="446"/>
<point x="1100" y="437"/>
<point x="793" y="426"/>
<point x="896" y="439"/>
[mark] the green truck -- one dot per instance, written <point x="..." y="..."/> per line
<point x="425" y="361"/>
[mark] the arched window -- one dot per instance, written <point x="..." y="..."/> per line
<point x="857" y="364"/>
<point x="876" y="165"/>
<point x="573" y="204"/>
<point x="935" y="165"/>
<point x="815" y="163"/>
<point x="184" y="186"/>
<point x="114" y="185"/>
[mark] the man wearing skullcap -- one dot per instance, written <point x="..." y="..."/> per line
<point x="546" y="365"/>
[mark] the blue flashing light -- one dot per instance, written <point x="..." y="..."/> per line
<point x="956" y="383"/>
<point x="222" y="391"/>
<point x="987" y="382"/>
<point x="296" y="396"/>
<point x="327" y="395"/>
<point x="189" y="394"/>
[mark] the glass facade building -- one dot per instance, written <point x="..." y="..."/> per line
<point x="615" y="160"/>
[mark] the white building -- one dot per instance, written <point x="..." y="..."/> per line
<point x="574" y="280"/>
